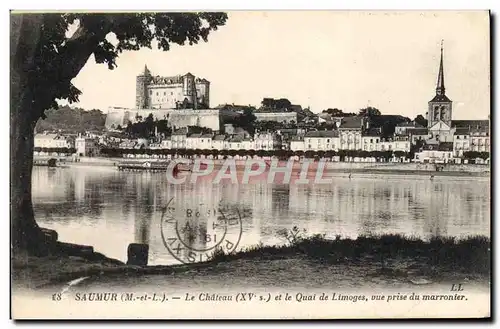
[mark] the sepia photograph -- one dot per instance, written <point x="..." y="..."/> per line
<point x="322" y="164"/>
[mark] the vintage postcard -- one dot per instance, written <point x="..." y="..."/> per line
<point x="250" y="165"/>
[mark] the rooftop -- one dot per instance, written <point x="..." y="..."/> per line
<point x="219" y="138"/>
<point x="471" y="124"/>
<point x="412" y="124"/>
<point x="420" y="131"/>
<point x="440" y="98"/>
<point x="351" y="122"/>
<point x="322" y="133"/>
<point x="462" y="131"/>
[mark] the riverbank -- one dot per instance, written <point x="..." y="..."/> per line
<point x="379" y="260"/>
<point x="329" y="167"/>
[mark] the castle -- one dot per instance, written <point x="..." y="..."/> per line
<point x="177" y="92"/>
<point x="183" y="100"/>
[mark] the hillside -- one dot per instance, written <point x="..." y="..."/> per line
<point x="69" y="119"/>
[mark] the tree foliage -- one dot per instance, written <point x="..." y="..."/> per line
<point x="279" y="105"/>
<point x="246" y="120"/>
<point x="421" y="120"/>
<point x="335" y="112"/>
<point x="58" y="59"/>
<point x="387" y="122"/>
<point x="369" y="112"/>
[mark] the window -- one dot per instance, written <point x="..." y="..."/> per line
<point x="151" y="92"/>
<point x="156" y="93"/>
<point x="328" y="140"/>
<point x="371" y="140"/>
<point x="164" y="93"/>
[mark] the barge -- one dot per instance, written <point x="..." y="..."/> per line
<point x="152" y="166"/>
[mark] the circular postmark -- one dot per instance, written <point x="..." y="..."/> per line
<point x="194" y="234"/>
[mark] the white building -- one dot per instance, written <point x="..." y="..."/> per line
<point x="86" y="146"/>
<point x="199" y="141"/>
<point x="219" y="142"/>
<point x="52" y="141"/>
<point x="350" y="133"/>
<point x="480" y="140"/>
<point x="267" y="141"/>
<point x="323" y="140"/>
<point x="178" y="139"/>
<point x="442" y="153"/>
<point x="297" y="143"/>
<point x="461" y="142"/>
<point x="371" y="140"/>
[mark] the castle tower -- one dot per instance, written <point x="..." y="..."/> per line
<point x="141" y="89"/>
<point x="203" y="92"/>
<point x="440" y="107"/>
<point x="188" y="87"/>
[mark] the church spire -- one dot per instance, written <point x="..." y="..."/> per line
<point x="440" y="82"/>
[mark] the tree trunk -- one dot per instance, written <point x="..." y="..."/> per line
<point x="25" y="34"/>
<point x="24" y="43"/>
<point x="25" y="232"/>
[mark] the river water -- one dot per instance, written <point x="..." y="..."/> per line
<point x="108" y="209"/>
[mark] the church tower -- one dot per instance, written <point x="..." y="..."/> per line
<point x="440" y="107"/>
<point x="141" y="89"/>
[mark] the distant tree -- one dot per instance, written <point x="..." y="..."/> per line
<point x="335" y="112"/>
<point x="276" y="104"/>
<point x="387" y="123"/>
<point x="268" y="103"/>
<point x="282" y="104"/>
<point x="246" y="121"/>
<point x="369" y="112"/>
<point x="421" y="120"/>
<point x="74" y="120"/>
<point x="163" y="127"/>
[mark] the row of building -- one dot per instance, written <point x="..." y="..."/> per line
<point x="184" y="102"/>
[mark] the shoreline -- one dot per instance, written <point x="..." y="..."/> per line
<point x="467" y="170"/>
<point x="390" y="256"/>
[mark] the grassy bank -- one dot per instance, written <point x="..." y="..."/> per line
<point x="470" y="255"/>
<point x="386" y="259"/>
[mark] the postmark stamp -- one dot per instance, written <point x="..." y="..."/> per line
<point x="193" y="234"/>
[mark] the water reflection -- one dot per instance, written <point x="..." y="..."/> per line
<point x="110" y="209"/>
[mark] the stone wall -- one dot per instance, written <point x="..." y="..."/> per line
<point x="178" y="118"/>
<point x="276" y="116"/>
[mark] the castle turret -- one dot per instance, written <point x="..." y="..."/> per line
<point x="141" y="89"/>
<point x="203" y="92"/>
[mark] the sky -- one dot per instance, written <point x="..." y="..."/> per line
<point x="321" y="59"/>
